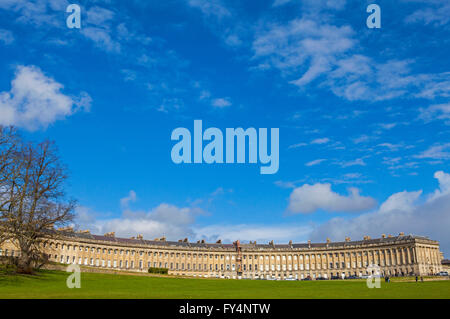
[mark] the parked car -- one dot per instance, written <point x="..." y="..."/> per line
<point x="352" y="277"/>
<point x="321" y="278"/>
<point x="335" y="277"/>
<point x="307" y="278"/>
<point x="443" y="273"/>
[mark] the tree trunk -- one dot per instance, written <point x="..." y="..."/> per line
<point x="24" y="264"/>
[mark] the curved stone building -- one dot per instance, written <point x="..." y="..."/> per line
<point x="394" y="255"/>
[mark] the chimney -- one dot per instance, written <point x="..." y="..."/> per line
<point x="271" y="243"/>
<point x="203" y="241"/>
<point x="219" y="241"/>
<point x="163" y="238"/>
<point x="110" y="234"/>
<point x="347" y="239"/>
<point x="402" y="234"/>
<point x="383" y="236"/>
<point x="328" y="240"/>
<point x="309" y="243"/>
<point x="139" y="236"/>
<point x="290" y="243"/>
<point x="389" y="236"/>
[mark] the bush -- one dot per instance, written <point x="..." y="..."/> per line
<point x="155" y="270"/>
<point x="7" y="269"/>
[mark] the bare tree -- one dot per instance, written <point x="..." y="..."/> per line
<point x="8" y="148"/>
<point x="34" y="200"/>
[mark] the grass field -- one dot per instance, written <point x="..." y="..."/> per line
<point x="52" y="284"/>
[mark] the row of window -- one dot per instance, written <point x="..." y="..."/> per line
<point x="216" y="256"/>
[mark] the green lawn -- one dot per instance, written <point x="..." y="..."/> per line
<point x="52" y="284"/>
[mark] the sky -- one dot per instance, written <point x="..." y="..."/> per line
<point x="363" y="114"/>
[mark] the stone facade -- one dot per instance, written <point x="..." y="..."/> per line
<point x="398" y="255"/>
<point x="446" y="265"/>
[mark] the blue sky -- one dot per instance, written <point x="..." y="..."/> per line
<point x="364" y="114"/>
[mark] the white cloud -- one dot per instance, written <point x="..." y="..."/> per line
<point x="310" y="198"/>
<point x="6" y="36"/>
<point x="323" y="140"/>
<point x="314" y="4"/>
<point x="302" y="42"/>
<point x="250" y="232"/>
<point x="131" y="198"/>
<point x="355" y="162"/>
<point x="315" y="162"/>
<point x="221" y="102"/>
<point x="438" y="14"/>
<point x="180" y="222"/>
<point x="165" y="219"/>
<point x="297" y="145"/>
<point x="210" y="7"/>
<point x="400" y="201"/>
<point x="401" y="212"/>
<point x="436" y="112"/>
<point x="438" y="152"/>
<point x="99" y="16"/>
<point x="306" y="51"/>
<point x="35" y="100"/>
<point x="37" y="12"/>
<point x="278" y="3"/>
<point x="102" y="39"/>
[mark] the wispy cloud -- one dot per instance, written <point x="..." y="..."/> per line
<point x="6" y="37"/>
<point x="438" y="151"/>
<point x="315" y="162"/>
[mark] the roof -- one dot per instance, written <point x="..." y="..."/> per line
<point x="244" y="246"/>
